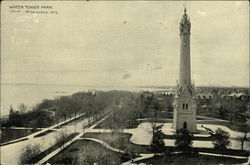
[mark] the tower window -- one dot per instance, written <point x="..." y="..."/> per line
<point x="183" y="106"/>
<point x="186" y="106"/>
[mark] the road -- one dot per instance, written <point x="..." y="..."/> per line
<point x="10" y="153"/>
<point x="49" y="156"/>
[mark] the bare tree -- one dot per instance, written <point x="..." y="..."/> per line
<point x="29" y="152"/>
<point x="22" y="108"/>
<point x="61" y="138"/>
<point x="89" y="155"/>
<point x="245" y="128"/>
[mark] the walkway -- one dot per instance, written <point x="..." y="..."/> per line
<point x="49" y="156"/>
<point x="212" y="118"/>
<point x="56" y="125"/>
<point x="142" y="157"/>
<point x="222" y="155"/>
<point x="147" y="156"/>
<point x="22" y="128"/>
<point x="106" y="145"/>
<point x="248" y="162"/>
<point x="10" y="153"/>
<point x="42" y="131"/>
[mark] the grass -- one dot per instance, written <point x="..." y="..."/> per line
<point x="129" y="124"/>
<point x="101" y="155"/>
<point x="119" y="141"/>
<point x="163" y="116"/>
<point x="51" y="149"/>
<point x="190" y="160"/>
<point x="12" y="134"/>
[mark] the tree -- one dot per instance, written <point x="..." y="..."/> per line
<point x="22" y="108"/>
<point x="183" y="140"/>
<point x="157" y="144"/>
<point x="245" y="128"/>
<point x="30" y="151"/>
<point x="14" y="117"/>
<point x="223" y="112"/>
<point x="221" y="139"/>
<point x="94" y="154"/>
<point x="11" y="111"/>
<point x="156" y="107"/>
<point x="61" y="139"/>
<point x="129" y="153"/>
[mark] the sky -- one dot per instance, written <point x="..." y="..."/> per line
<point x="124" y="43"/>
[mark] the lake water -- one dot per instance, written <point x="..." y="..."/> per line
<point x="30" y="95"/>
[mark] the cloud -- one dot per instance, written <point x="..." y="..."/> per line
<point x="126" y="76"/>
<point x="202" y="13"/>
<point x="158" y="68"/>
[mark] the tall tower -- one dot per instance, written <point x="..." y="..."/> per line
<point x="184" y="104"/>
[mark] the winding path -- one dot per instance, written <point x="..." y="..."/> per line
<point x="106" y="145"/>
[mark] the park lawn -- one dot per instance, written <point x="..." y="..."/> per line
<point x="119" y="141"/>
<point x="231" y="126"/>
<point x="12" y="134"/>
<point x="94" y="151"/>
<point x="190" y="160"/>
<point x="163" y="117"/>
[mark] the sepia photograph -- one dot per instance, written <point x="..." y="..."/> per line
<point x="116" y="82"/>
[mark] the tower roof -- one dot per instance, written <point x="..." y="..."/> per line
<point x="185" y="24"/>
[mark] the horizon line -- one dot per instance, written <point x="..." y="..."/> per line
<point x="142" y="86"/>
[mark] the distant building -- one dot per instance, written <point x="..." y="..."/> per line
<point x="204" y="96"/>
<point x="235" y="95"/>
<point x="167" y="93"/>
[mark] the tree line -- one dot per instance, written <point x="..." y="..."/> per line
<point x="51" y="111"/>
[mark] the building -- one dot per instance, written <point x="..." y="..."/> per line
<point x="204" y="96"/>
<point x="184" y="104"/>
